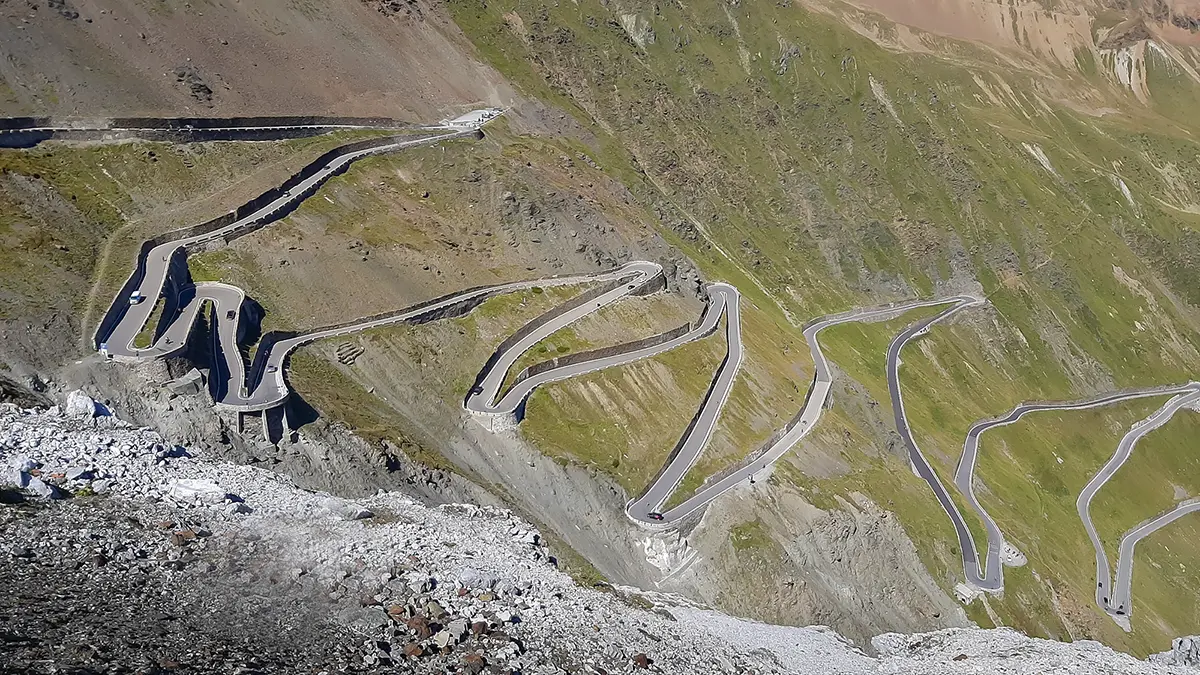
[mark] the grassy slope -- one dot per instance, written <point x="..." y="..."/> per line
<point x="122" y="193"/>
<point x="333" y="389"/>
<point x="604" y="419"/>
<point x="631" y="319"/>
<point x="801" y="175"/>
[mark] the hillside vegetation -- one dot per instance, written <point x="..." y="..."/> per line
<point x="820" y="160"/>
<point x="819" y="171"/>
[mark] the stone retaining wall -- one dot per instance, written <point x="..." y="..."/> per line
<point x="26" y="132"/>
<point x="770" y="442"/>
<point x="602" y="353"/>
<point x="530" y="327"/>
<point x="695" y="418"/>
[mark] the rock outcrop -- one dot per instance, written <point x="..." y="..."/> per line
<point x="1185" y="651"/>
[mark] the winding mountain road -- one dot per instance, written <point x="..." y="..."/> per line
<point x="965" y="542"/>
<point x="133" y="310"/>
<point x="25" y="132"/>
<point x="723" y="300"/>
<point x="1118" y="603"/>
<point x="483" y="398"/>
<point x="965" y="473"/>
<point x="1122" y="596"/>
<point x="992" y="578"/>
<point x="486" y="398"/>
<point x="800" y="425"/>
<point x="266" y="388"/>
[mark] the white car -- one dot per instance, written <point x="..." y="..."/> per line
<point x="136" y="298"/>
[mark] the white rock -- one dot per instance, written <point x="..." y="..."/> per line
<point x="196" y="489"/>
<point x="22" y="463"/>
<point x="442" y="639"/>
<point x="15" y="477"/>
<point x="889" y="644"/>
<point x="469" y="578"/>
<point x="457" y="628"/>
<point x="40" y="488"/>
<point x="80" y="404"/>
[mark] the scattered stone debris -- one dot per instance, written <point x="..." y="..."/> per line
<point x="403" y="8"/>
<point x="190" y="78"/>
<point x="1185" y="651"/>
<point x="348" y="352"/>
<point x="63" y="9"/>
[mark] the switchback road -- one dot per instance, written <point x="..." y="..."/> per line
<point x="1114" y="600"/>
<point x="800" y="425"/>
<point x="266" y="387"/>
<point x="486" y="399"/>
<point x="1117" y="603"/>
<point x="1122" y="596"/>
<point x="965" y="474"/>
<point x="136" y="308"/>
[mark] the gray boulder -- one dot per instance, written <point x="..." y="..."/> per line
<point x="363" y="620"/>
<point x="14" y="477"/>
<point x="457" y="629"/>
<point x="188" y="384"/>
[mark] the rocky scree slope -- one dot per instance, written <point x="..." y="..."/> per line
<point x="123" y="551"/>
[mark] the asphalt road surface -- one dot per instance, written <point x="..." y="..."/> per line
<point x="1117" y="603"/>
<point x="483" y="398"/>
<point x="916" y="457"/>
<point x="487" y="399"/>
<point x="227" y="300"/>
<point x="1122" y="596"/>
<point x="722" y="301"/>
<point x="704" y="424"/>
<point x="796" y="429"/>
<point x="993" y="576"/>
